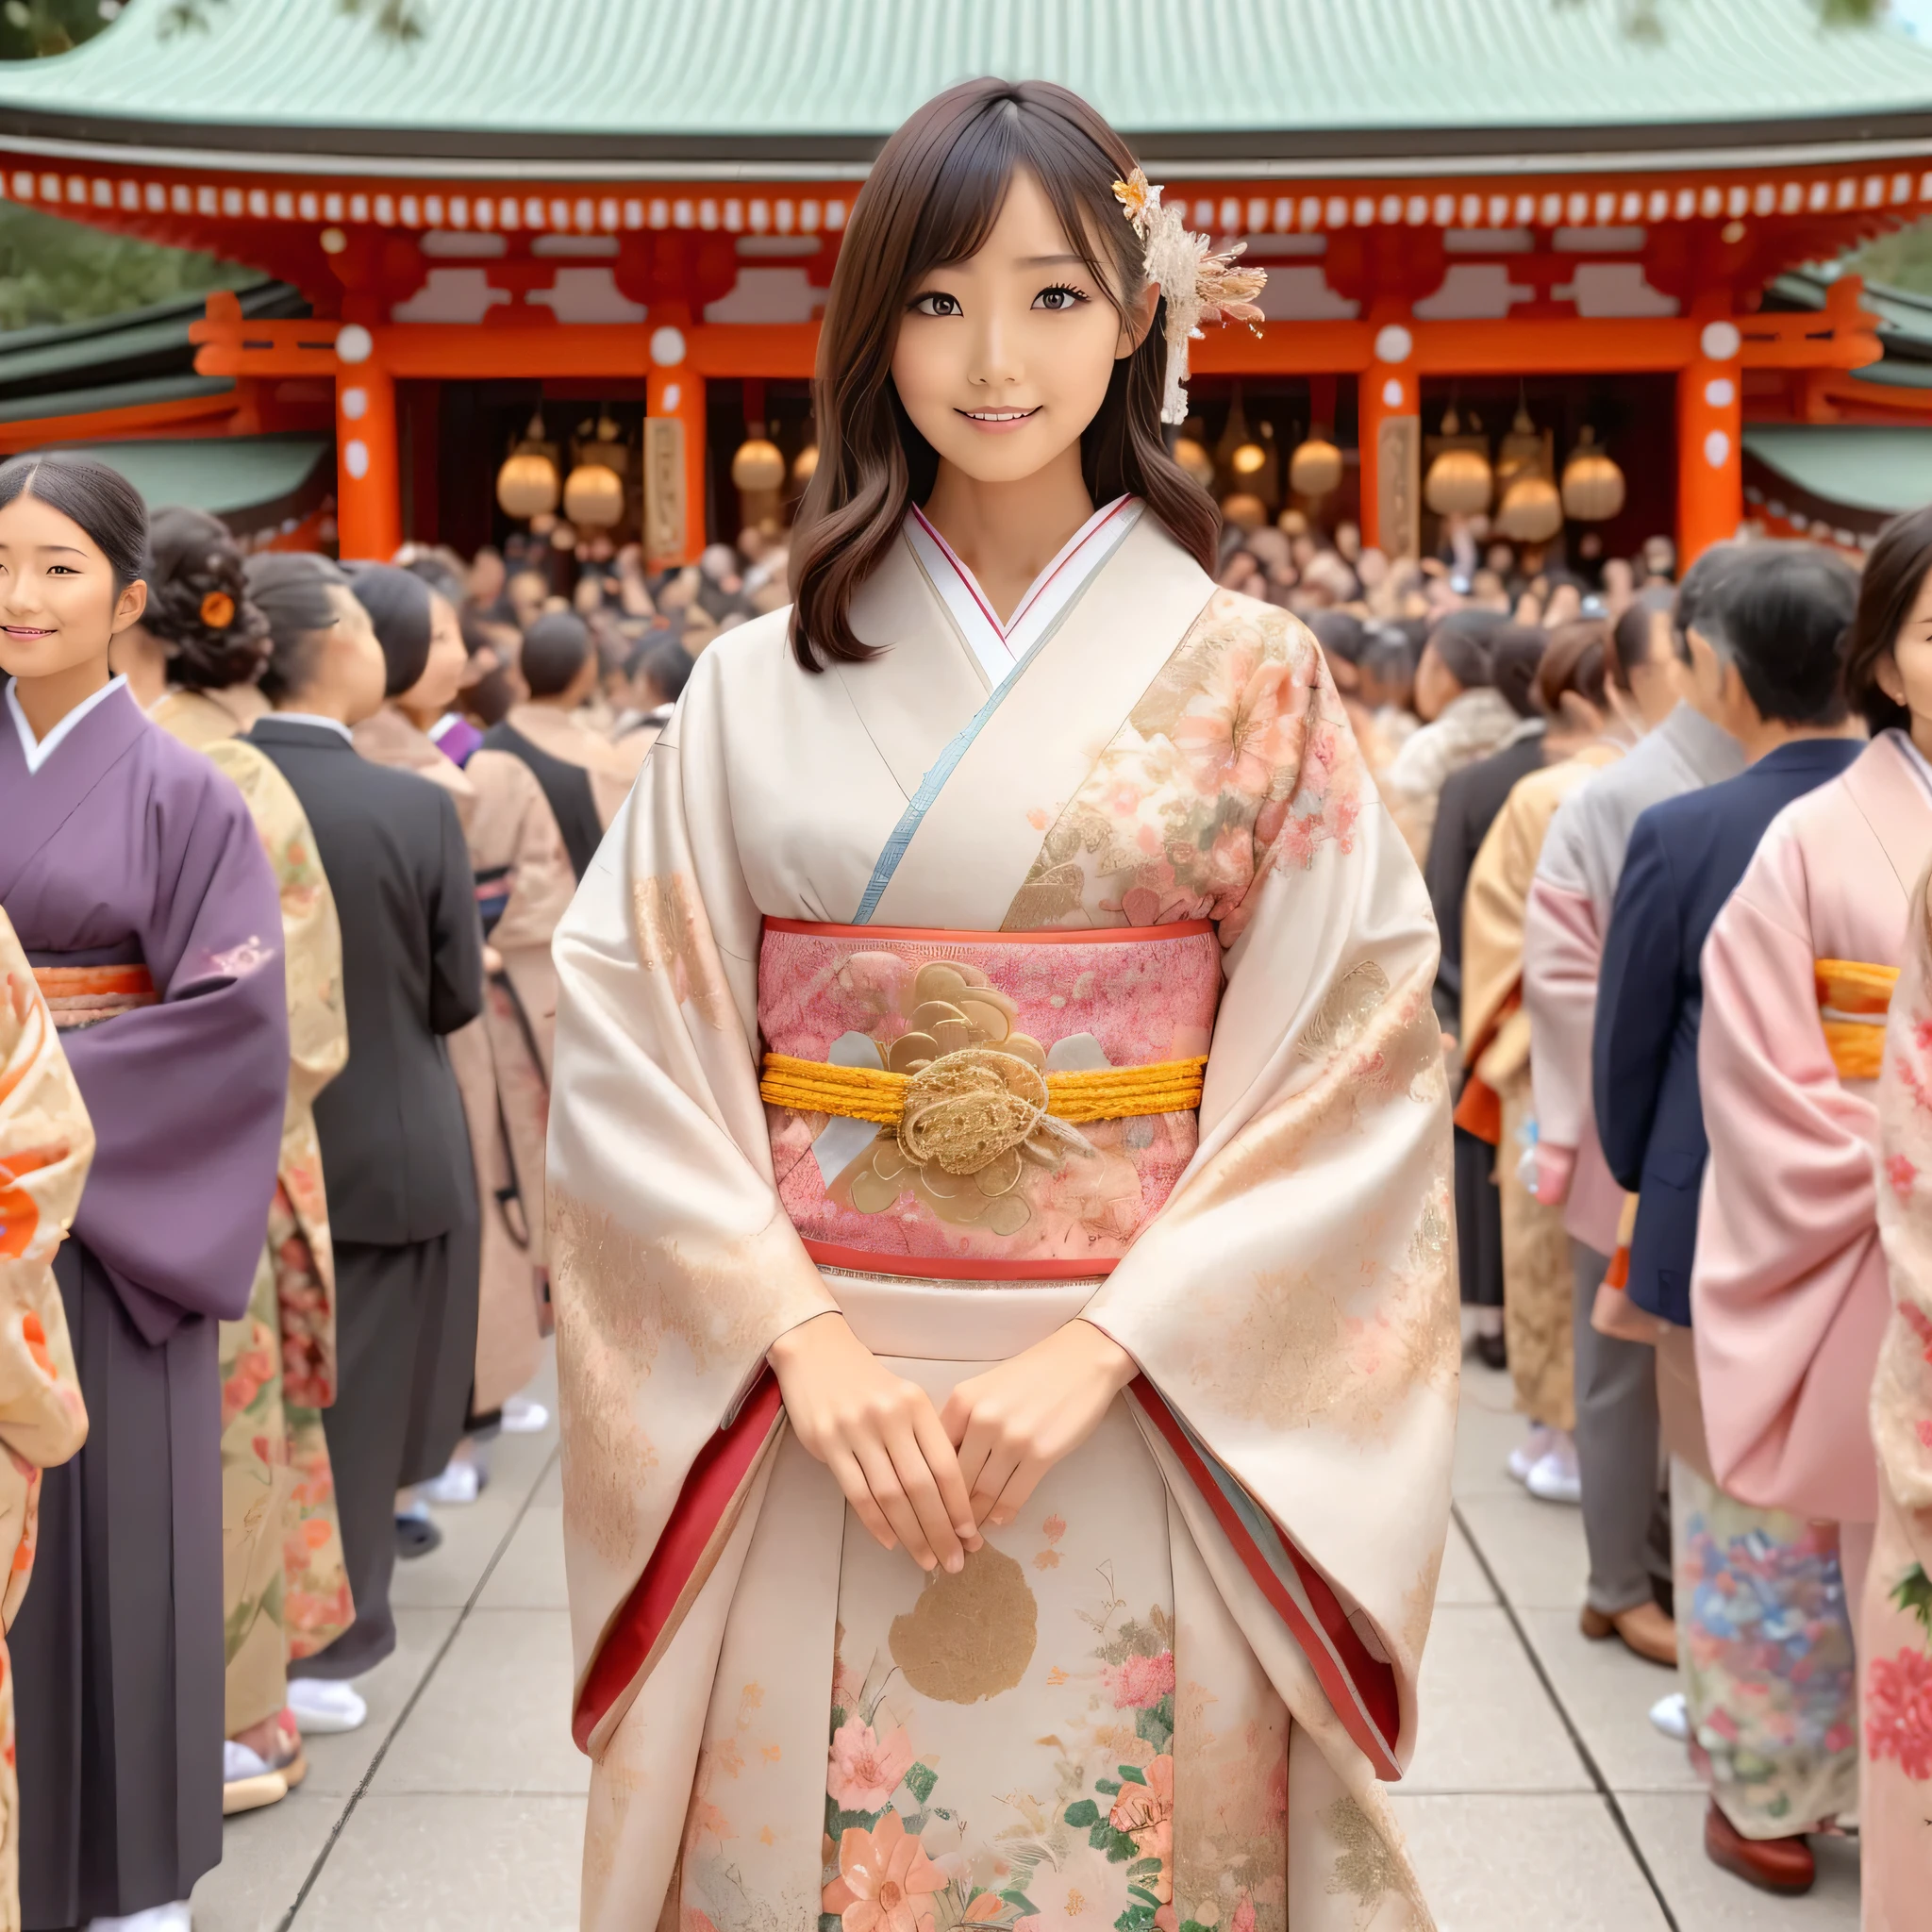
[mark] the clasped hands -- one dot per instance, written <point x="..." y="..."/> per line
<point x="932" y="1478"/>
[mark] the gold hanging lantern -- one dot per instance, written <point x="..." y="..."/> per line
<point x="1191" y="455"/>
<point x="804" y="465"/>
<point x="593" y="496"/>
<point x="1592" y="484"/>
<point x="1249" y="460"/>
<point x="526" y="483"/>
<point x="1244" y="510"/>
<point x="757" y="467"/>
<point x="1531" y="511"/>
<point x="1460" y="483"/>
<point x="1315" y="468"/>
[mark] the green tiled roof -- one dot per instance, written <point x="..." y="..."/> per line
<point x="1879" y="468"/>
<point x="1246" y="78"/>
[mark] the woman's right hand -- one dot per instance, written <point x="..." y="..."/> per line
<point x="880" y="1436"/>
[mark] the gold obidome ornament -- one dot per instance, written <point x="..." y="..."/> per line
<point x="1197" y="284"/>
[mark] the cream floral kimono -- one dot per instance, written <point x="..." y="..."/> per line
<point x="1168" y="1695"/>
<point x="46" y="1146"/>
<point x="285" y="1586"/>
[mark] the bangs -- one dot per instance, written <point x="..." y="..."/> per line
<point x="970" y="178"/>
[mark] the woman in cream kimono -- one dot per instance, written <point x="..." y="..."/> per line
<point x="1896" y="1615"/>
<point x="46" y="1144"/>
<point x="502" y="1058"/>
<point x="191" y="663"/>
<point x="1006" y="1470"/>
<point x="1497" y="1104"/>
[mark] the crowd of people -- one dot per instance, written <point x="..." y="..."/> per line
<point x="1673" y="851"/>
<point x="1670" y="831"/>
<point x="331" y="991"/>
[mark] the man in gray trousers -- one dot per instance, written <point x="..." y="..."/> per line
<point x="1624" y="1520"/>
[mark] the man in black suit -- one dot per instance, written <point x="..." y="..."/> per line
<point x="396" y="1153"/>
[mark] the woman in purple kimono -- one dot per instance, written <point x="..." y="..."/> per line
<point x="138" y="885"/>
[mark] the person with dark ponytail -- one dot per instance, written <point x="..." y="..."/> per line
<point x="502" y="1058"/>
<point x="136" y="879"/>
<point x="204" y="635"/>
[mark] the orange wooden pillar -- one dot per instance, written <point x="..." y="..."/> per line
<point x="1391" y="437"/>
<point x="674" y="446"/>
<point x="1710" y="424"/>
<point x="369" y="491"/>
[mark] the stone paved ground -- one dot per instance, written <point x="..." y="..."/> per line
<point x="1540" y="1799"/>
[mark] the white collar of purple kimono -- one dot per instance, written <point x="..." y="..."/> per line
<point x="37" y="751"/>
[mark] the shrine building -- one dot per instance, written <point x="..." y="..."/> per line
<point x="575" y="251"/>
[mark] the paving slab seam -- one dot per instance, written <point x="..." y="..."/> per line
<point x="1582" y="1750"/>
<point x="322" y="1857"/>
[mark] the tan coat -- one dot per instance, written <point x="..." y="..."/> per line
<point x="612" y="768"/>
<point x="1536" y="1288"/>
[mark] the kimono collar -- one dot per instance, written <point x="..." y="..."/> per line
<point x="33" y="805"/>
<point x="39" y="750"/>
<point x="998" y="647"/>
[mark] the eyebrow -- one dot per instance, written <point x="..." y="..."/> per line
<point x="1050" y="260"/>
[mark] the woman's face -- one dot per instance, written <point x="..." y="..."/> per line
<point x="1436" y="685"/>
<point x="435" y="691"/>
<point x="1904" y="675"/>
<point x="59" y="607"/>
<point x="1004" y="359"/>
<point x="356" y="667"/>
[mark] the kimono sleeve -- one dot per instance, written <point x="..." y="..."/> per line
<point x="1788" y="1220"/>
<point x="46" y="1145"/>
<point x="675" y="1266"/>
<point x="189" y="1094"/>
<point x="1902" y="1390"/>
<point x="1292" y="1307"/>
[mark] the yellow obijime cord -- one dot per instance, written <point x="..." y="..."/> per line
<point x="1853" y="1000"/>
<point x="872" y="1094"/>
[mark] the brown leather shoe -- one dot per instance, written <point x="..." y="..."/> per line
<point x="1772" y="1864"/>
<point x="1643" y="1627"/>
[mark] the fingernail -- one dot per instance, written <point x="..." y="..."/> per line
<point x="954" y="1565"/>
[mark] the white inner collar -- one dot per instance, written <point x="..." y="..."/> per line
<point x="39" y="750"/>
<point x="999" y="647"/>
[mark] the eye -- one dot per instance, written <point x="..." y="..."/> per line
<point x="62" y="570"/>
<point x="935" y="302"/>
<point x="1060" y="296"/>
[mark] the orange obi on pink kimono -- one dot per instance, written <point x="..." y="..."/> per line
<point x="982" y="1105"/>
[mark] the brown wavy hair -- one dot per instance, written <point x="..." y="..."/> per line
<point x="1894" y="571"/>
<point x="932" y="198"/>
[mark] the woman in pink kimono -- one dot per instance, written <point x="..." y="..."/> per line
<point x="1895" y="1616"/>
<point x="1789" y="1291"/>
<point x="1005" y="1446"/>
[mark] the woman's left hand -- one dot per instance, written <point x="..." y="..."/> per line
<point x="1011" y="1425"/>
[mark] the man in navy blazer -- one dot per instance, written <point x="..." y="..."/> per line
<point x="1765" y="667"/>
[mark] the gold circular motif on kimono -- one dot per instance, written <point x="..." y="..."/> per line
<point x="966" y="1109"/>
<point x="971" y="1636"/>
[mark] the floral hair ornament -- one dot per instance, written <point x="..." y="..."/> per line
<point x="218" y="610"/>
<point x="1198" y="284"/>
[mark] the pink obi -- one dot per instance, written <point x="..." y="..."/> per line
<point x="1069" y="1001"/>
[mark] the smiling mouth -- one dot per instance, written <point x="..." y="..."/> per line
<point x="27" y="631"/>
<point x="999" y="419"/>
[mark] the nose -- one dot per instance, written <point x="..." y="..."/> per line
<point x="996" y="362"/>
